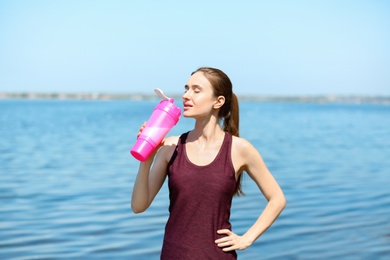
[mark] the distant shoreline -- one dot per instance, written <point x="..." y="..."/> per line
<point x="113" y="96"/>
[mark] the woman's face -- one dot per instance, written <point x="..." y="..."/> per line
<point x="198" y="98"/>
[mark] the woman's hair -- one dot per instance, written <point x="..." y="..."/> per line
<point x="229" y="112"/>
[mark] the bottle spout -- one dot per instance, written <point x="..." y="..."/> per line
<point x="161" y="94"/>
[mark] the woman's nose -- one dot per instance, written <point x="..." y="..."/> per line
<point x="185" y="95"/>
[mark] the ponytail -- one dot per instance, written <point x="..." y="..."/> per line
<point x="231" y="125"/>
<point x="231" y="121"/>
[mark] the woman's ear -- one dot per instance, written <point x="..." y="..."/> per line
<point x="219" y="102"/>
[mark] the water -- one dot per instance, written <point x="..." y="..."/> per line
<point x="66" y="177"/>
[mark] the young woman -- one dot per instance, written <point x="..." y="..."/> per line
<point x="204" y="168"/>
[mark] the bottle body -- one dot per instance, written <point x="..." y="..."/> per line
<point x="165" y="115"/>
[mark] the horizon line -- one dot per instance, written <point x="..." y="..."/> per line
<point x="329" y="98"/>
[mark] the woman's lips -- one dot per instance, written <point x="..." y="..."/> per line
<point x="186" y="105"/>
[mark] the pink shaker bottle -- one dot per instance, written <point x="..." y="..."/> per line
<point x="165" y="115"/>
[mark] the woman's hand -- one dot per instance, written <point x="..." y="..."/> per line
<point x="231" y="241"/>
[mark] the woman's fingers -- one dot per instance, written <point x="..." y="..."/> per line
<point x="141" y="129"/>
<point x="224" y="241"/>
<point x="231" y="241"/>
<point x="225" y="244"/>
<point x="224" y="231"/>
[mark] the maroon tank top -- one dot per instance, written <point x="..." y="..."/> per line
<point x="200" y="201"/>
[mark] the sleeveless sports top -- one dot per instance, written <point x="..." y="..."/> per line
<point x="200" y="201"/>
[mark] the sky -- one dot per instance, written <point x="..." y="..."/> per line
<point x="288" y="48"/>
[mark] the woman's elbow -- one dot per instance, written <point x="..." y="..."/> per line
<point x="282" y="202"/>
<point x="278" y="202"/>
<point x="137" y="209"/>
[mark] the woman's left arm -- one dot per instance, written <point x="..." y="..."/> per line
<point x="253" y="164"/>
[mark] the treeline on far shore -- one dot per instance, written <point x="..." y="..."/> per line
<point x="124" y="96"/>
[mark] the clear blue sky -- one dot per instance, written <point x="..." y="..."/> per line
<point x="328" y="47"/>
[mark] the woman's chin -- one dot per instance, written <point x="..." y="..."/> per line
<point x="187" y="114"/>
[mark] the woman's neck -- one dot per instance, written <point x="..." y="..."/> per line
<point x="206" y="130"/>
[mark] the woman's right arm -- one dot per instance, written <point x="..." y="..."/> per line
<point x="151" y="176"/>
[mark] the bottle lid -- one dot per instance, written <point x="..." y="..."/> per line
<point x="170" y="107"/>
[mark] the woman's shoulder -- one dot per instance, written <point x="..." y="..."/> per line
<point x="244" y="153"/>
<point x="174" y="140"/>
<point x="242" y="145"/>
<point x="171" y="140"/>
<point x="168" y="147"/>
<point x="244" y="148"/>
